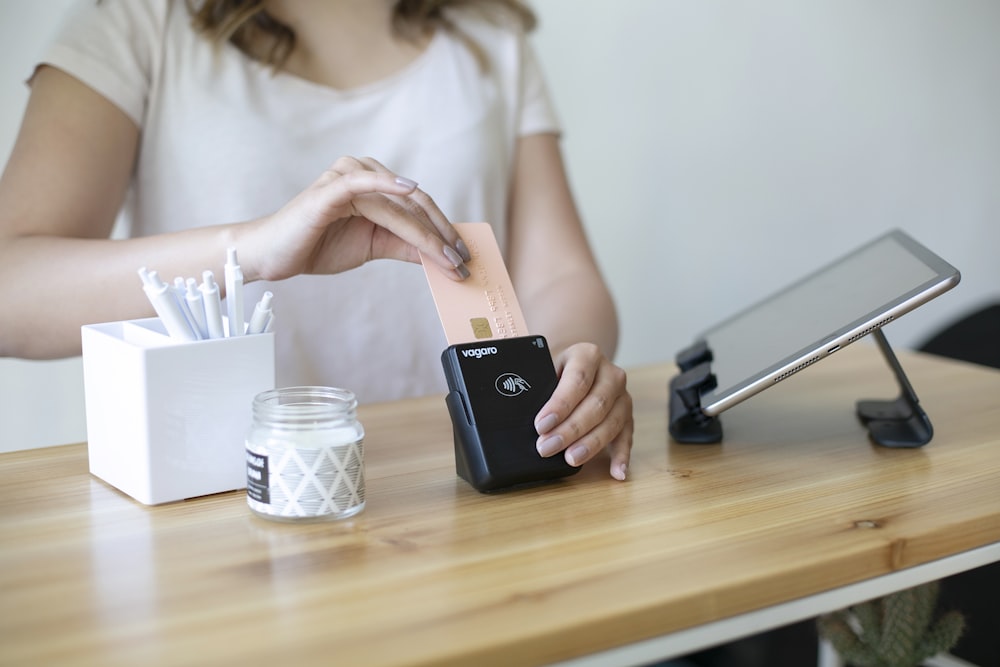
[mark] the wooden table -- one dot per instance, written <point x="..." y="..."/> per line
<point x="794" y="508"/>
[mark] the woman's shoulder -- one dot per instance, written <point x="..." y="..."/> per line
<point x="118" y="15"/>
<point x="490" y="23"/>
<point x="116" y="46"/>
<point x="497" y="37"/>
<point x="138" y="27"/>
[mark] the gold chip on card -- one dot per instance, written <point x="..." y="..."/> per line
<point x="481" y="327"/>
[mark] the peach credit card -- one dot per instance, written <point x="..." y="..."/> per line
<point x="482" y="306"/>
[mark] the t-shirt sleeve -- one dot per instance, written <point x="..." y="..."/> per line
<point x="112" y="46"/>
<point x="537" y="113"/>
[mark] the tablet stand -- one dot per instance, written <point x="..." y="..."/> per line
<point x="900" y="422"/>
<point x="688" y="424"/>
<point x="891" y="423"/>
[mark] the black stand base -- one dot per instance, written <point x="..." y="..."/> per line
<point x="688" y="424"/>
<point x="895" y="423"/>
<point x="900" y="422"/>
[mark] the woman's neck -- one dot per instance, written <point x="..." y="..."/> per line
<point x="344" y="44"/>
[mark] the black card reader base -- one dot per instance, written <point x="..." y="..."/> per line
<point x="496" y="388"/>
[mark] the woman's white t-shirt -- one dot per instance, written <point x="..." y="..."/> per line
<point x="225" y="139"/>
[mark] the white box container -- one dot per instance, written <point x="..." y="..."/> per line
<point x="167" y="420"/>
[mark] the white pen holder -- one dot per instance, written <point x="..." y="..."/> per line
<point x="167" y="420"/>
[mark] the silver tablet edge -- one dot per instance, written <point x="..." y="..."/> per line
<point x="820" y="352"/>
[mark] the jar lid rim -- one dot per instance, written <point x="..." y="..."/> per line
<point x="306" y="401"/>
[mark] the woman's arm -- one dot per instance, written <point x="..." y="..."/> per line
<point x="565" y="298"/>
<point x="67" y="178"/>
<point x="61" y="189"/>
<point x="554" y="271"/>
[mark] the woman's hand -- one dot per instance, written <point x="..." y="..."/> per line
<point x="590" y="410"/>
<point x="356" y="211"/>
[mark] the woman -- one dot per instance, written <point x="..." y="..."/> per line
<point x="197" y="127"/>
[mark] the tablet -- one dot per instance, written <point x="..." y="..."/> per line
<point x="820" y="314"/>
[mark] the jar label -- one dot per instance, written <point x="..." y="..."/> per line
<point x="291" y="482"/>
<point x="258" y="487"/>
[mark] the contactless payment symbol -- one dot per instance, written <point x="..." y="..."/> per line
<point x="512" y="384"/>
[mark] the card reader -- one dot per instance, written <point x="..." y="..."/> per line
<point x="496" y="388"/>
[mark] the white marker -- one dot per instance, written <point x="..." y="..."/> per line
<point x="196" y="306"/>
<point x="234" y="294"/>
<point x="261" y="315"/>
<point x="161" y="295"/>
<point x="213" y="305"/>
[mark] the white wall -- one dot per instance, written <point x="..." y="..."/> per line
<point x="717" y="149"/>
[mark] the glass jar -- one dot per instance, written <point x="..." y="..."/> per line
<point x="305" y="455"/>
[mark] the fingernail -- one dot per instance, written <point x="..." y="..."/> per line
<point x="546" y="423"/>
<point x="621" y="472"/>
<point x="462" y="271"/>
<point x="576" y="455"/>
<point x="406" y="182"/>
<point x="463" y="250"/>
<point x="550" y="446"/>
<point x="453" y="256"/>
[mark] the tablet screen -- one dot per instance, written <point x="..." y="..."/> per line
<point x="821" y="313"/>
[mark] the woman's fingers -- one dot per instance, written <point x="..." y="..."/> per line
<point x="590" y="410"/>
<point x="399" y="234"/>
<point x="395" y="204"/>
<point x="422" y="205"/>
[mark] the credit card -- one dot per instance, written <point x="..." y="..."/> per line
<point x="483" y="306"/>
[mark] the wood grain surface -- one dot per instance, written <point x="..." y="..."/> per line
<point x="795" y="501"/>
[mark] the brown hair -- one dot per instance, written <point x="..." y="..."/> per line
<point x="246" y="24"/>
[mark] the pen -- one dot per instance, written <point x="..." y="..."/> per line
<point x="161" y="295"/>
<point x="261" y="315"/>
<point x="196" y="306"/>
<point x="180" y="293"/>
<point x="213" y="305"/>
<point x="234" y="294"/>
